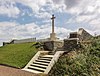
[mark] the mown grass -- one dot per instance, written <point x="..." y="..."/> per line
<point x="17" y="55"/>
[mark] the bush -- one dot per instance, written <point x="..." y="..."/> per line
<point x="85" y="63"/>
<point x="59" y="69"/>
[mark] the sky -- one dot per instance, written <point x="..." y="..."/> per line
<point x="20" y="19"/>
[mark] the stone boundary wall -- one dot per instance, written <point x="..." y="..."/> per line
<point x="84" y="36"/>
<point x="52" y="45"/>
<point x="20" y="41"/>
<point x="70" y="44"/>
<point x="42" y="40"/>
<point x="24" y="40"/>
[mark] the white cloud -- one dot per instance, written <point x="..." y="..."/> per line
<point x="82" y="11"/>
<point x="8" y="8"/>
<point x="33" y="4"/>
<point x="87" y="12"/>
<point x="45" y="15"/>
<point x="85" y="18"/>
<point x="10" y="31"/>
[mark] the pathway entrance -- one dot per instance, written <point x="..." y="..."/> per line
<point x="8" y="71"/>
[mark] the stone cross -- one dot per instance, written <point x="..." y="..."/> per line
<point x="53" y="23"/>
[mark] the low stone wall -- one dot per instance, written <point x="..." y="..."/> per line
<point x="84" y="36"/>
<point x="20" y="41"/>
<point x="24" y="40"/>
<point x="6" y="43"/>
<point x="52" y="45"/>
<point x="70" y="44"/>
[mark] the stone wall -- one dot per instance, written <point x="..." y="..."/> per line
<point x="6" y="43"/>
<point x="52" y="45"/>
<point x="43" y="40"/>
<point x="70" y="44"/>
<point x="24" y="40"/>
<point x="75" y="38"/>
<point x="20" y="41"/>
<point x="81" y="34"/>
<point x="84" y="35"/>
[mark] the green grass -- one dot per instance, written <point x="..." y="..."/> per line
<point x="17" y="55"/>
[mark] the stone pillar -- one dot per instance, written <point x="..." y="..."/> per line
<point x="53" y="34"/>
<point x="53" y="23"/>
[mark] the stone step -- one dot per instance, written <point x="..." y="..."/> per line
<point x="36" y="68"/>
<point x="42" y="61"/>
<point x="33" y="71"/>
<point x="47" y="59"/>
<point x="48" y="56"/>
<point x="37" y="65"/>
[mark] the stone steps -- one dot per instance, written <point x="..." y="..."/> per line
<point x="36" y="69"/>
<point x="43" y="64"/>
<point x="40" y="64"/>
<point x="33" y="71"/>
<point x="44" y="61"/>
<point x="37" y="65"/>
<point x="49" y="56"/>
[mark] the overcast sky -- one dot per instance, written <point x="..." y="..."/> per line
<point x="31" y="18"/>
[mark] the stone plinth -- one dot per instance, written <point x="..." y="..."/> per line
<point x="53" y="36"/>
<point x="52" y="45"/>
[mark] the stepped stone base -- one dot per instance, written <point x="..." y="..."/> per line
<point x="53" y="36"/>
<point x="52" y="45"/>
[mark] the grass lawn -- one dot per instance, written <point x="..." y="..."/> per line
<point x="17" y="55"/>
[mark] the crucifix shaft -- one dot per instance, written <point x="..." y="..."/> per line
<point x="53" y="23"/>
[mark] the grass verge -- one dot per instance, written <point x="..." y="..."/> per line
<point x="17" y="55"/>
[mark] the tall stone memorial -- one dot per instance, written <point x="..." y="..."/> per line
<point x="53" y="43"/>
<point x="53" y="34"/>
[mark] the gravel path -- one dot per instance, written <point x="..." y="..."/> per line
<point x="8" y="71"/>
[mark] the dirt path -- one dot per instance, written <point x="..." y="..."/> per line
<point x="8" y="71"/>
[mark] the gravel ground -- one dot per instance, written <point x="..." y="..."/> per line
<point x="8" y="71"/>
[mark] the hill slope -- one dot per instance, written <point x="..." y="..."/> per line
<point x="17" y="55"/>
<point x="80" y="62"/>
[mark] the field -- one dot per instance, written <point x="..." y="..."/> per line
<point x="17" y="55"/>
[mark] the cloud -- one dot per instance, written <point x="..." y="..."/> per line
<point x="71" y="3"/>
<point x="84" y="12"/>
<point x="81" y="11"/>
<point x="9" y="31"/>
<point x="85" y="18"/>
<point x="8" y="8"/>
<point x="40" y="8"/>
<point x="44" y="15"/>
<point x="35" y="5"/>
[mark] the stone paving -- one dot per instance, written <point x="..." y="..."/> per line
<point x="8" y="71"/>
